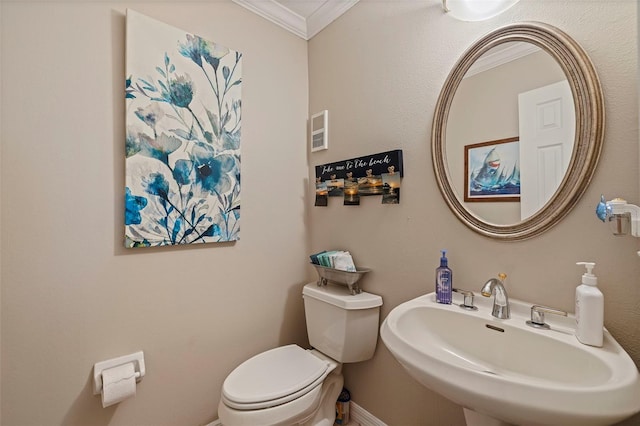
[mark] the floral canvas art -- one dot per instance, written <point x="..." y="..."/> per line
<point x="183" y="122"/>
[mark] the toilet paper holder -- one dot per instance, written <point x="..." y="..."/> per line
<point x="138" y="364"/>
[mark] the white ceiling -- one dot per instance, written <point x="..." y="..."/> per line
<point x="304" y="18"/>
<point x="303" y="8"/>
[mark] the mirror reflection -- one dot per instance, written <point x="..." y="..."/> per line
<point x="510" y="133"/>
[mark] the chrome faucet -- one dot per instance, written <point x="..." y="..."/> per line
<point x="495" y="286"/>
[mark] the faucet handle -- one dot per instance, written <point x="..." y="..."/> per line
<point x="537" y="316"/>
<point x="468" y="299"/>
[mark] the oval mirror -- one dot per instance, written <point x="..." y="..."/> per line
<point x="517" y="131"/>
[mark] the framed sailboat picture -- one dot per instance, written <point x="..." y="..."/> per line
<point x="492" y="171"/>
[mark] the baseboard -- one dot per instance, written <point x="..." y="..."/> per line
<point x="362" y="417"/>
<point x="357" y="414"/>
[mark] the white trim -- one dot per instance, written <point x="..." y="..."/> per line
<point x="303" y="27"/>
<point x="326" y="14"/>
<point x="359" y="416"/>
<point x="362" y="417"/>
<point x="499" y="57"/>
<point x="278" y="14"/>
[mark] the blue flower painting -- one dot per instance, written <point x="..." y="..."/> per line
<point x="183" y="119"/>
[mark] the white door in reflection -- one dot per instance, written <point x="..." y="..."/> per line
<point x="547" y="131"/>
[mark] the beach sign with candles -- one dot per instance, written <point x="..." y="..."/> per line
<point x="377" y="174"/>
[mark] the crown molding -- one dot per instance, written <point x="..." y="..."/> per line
<point x="278" y="14"/>
<point x="494" y="59"/>
<point x="291" y="21"/>
<point x="326" y="14"/>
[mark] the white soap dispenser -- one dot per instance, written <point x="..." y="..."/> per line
<point x="589" y="308"/>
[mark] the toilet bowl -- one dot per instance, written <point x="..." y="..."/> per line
<point x="282" y="386"/>
<point x="289" y="385"/>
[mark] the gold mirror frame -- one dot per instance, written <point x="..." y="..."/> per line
<point x="589" y="113"/>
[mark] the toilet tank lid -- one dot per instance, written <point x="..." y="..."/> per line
<point x="341" y="297"/>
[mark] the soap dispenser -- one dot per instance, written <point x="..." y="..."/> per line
<point x="444" y="281"/>
<point x="589" y="308"/>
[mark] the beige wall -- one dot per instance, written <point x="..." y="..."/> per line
<point x="379" y="70"/>
<point x="71" y="294"/>
<point x="1" y="44"/>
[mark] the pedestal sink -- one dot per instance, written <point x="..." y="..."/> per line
<point x="509" y="371"/>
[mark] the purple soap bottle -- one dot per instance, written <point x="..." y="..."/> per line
<point x="444" y="281"/>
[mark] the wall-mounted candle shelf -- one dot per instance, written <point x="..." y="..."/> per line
<point x="377" y="174"/>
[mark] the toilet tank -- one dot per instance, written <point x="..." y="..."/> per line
<point x="341" y="325"/>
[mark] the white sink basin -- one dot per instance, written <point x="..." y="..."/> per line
<point x="508" y="370"/>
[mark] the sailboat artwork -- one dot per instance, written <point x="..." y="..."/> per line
<point x="492" y="171"/>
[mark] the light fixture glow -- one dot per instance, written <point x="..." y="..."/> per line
<point x="476" y="10"/>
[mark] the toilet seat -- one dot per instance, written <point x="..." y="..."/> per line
<point x="274" y="377"/>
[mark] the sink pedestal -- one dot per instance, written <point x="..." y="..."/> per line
<point x="474" y="418"/>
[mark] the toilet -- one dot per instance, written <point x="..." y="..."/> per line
<point x="289" y="385"/>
